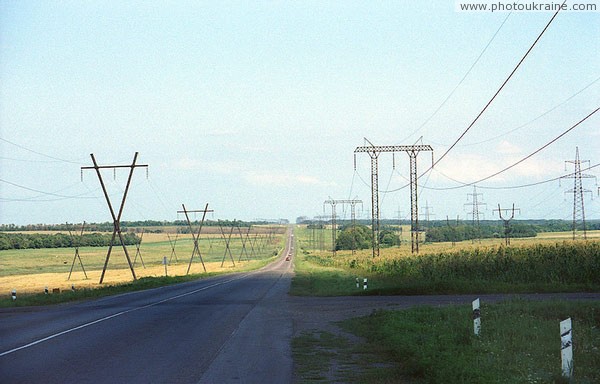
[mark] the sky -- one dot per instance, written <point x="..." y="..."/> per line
<point x="256" y="108"/>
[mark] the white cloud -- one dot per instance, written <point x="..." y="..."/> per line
<point x="507" y="148"/>
<point x="472" y="167"/>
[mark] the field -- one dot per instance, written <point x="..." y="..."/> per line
<point x="31" y="270"/>
<point x="550" y="262"/>
<point x="520" y="340"/>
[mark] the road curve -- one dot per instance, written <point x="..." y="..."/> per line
<point x="228" y="329"/>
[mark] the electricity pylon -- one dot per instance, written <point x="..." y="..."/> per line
<point x="578" y="192"/>
<point x="116" y="218"/>
<point x="475" y="211"/>
<point x="333" y="204"/>
<point x="506" y="221"/>
<point x="374" y="152"/>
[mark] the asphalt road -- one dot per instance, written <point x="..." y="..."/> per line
<point x="229" y="329"/>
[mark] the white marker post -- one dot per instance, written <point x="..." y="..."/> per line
<point x="364" y="283"/>
<point x="357" y="283"/>
<point x="476" y="317"/>
<point x="566" y="347"/>
<point x="13" y="293"/>
<point x="165" y="263"/>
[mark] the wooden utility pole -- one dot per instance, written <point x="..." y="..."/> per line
<point x="195" y="236"/>
<point x="116" y="217"/>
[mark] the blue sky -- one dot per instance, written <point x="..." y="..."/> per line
<point x="257" y="107"/>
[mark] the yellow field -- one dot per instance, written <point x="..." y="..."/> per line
<point x="37" y="282"/>
<point x="31" y="270"/>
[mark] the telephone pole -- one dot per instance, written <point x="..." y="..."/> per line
<point x="374" y="152"/>
<point x="578" y="192"/>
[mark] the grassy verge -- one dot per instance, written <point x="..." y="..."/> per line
<point x="24" y="300"/>
<point x="519" y="343"/>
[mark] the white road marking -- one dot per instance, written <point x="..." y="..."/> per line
<point x="119" y="314"/>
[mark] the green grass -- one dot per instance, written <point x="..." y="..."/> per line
<point x="552" y="267"/>
<point x="519" y="342"/>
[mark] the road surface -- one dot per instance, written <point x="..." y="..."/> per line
<point x="228" y="329"/>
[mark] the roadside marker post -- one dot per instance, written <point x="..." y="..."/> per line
<point x="357" y="283"/>
<point x="566" y="347"/>
<point x="476" y="317"/>
<point x="165" y="263"/>
<point x="13" y="293"/>
<point x="46" y="290"/>
<point x="364" y="283"/>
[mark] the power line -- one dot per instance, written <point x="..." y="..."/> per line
<point x="462" y="79"/>
<point x="60" y="197"/>
<point x="495" y="95"/>
<point x="507" y="187"/>
<point x="514" y="164"/>
<point x="536" y="118"/>
<point x="39" y="153"/>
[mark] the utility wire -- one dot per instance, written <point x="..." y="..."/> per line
<point x="495" y="95"/>
<point x="39" y="153"/>
<point x="538" y="117"/>
<point x="43" y="193"/>
<point x="461" y="80"/>
<point x="538" y="150"/>
<point x="510" y="166"/>
<point x="507" y="187"/>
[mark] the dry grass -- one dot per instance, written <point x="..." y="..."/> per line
<point x="31" y="270"/>
<point x="35" y="283"/>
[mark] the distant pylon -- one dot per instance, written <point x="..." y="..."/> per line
<point x="578" y="192"/>
<point x="507" y="221"/>
<point x="475" y="211"/>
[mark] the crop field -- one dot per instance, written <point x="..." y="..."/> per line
<point x="549" y="262"/>
<point x="31" y="270"/>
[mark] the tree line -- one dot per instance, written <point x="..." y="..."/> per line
<point x="61" y="240"/>
<point x="108" y="226"/>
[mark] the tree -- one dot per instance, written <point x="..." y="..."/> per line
<point x="354" y="237"/>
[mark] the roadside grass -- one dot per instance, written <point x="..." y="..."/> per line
<point x="519" y="342"/>
<point x="24" y="300"/>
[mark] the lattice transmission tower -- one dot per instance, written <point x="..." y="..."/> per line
<point x="475" y="212"/>
<point x="374" y="151"/>
<point x="578" y="193"/>
<point x="334" y="203"/>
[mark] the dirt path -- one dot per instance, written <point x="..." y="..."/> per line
<point x="313" y="317"/>
<point x="320" y="313"/>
